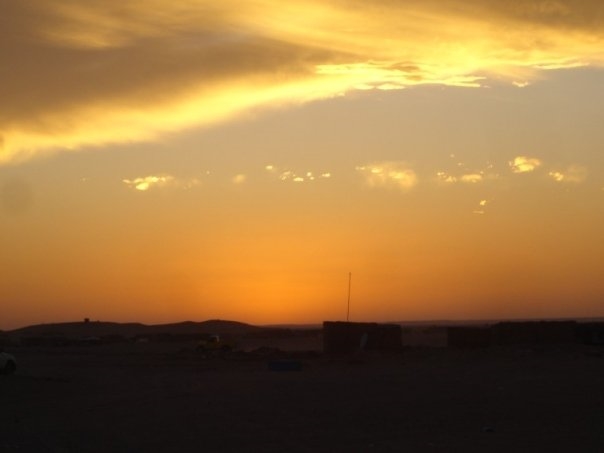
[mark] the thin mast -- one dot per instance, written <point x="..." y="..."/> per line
<point x="349" y="283"/>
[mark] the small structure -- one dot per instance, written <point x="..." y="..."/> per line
<point x="346" y="337"/>
<point x="590" y="333"/>
<point x="468" y="337"/>
<point x="534" y="332"/>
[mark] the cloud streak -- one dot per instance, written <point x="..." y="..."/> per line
<point x="389" y="175"/>
<point x="145" y="183"/>
<point x="524" y="164"/>
<point x="93" y="73"/>
<point x="573" y="174"/>
<point x="289" y="175"/>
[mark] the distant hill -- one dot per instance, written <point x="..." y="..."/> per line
<point x="103" y="329"/>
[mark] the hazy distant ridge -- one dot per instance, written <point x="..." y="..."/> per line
<point x="101" y="328"/>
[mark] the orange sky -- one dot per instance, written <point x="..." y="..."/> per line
<point x="238" y="160"/>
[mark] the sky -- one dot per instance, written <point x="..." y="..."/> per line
<point x="164" y="161"/>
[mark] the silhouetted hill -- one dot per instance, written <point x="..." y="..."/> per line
<point x="217" y="326"/>
<point x="105" y="329"/>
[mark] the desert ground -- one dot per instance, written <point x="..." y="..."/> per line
<point x="160" y="397"/>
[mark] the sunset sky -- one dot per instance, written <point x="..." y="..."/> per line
<point x="163" y="161"/>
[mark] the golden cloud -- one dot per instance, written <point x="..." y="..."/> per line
<point x="296" y="176"/>
<point x="472" y="178"/>
<point x="239" y="179"/>
<point x="469" y="178"/>
<point x="389" y="175"/>
<point x="524" y="164"/>
<point x="147" y="182"/>
<point x="144" y="183"/>
<point x="99" y="72"/>
<point x="573" y="174"/>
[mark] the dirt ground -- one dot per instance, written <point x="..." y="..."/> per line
<point x="164" y="397"/>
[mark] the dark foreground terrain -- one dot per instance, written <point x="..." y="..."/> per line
<point x="165" y="397"/>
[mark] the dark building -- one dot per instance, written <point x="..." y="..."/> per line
<point x="590" y="333"/>
<point x="468" y="337"/>
<point x="537" y="332"/>
<point x="347" y="337"/>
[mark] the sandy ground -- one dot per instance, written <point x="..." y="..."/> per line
<point x="164" y="397"/>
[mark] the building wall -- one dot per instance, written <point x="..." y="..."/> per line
<point x="515" y="333"/>
<point x="468" y="337"/>
<point x="590" y="333"/>
<point x="545" y="332"/>
<point x="347" y="337"/>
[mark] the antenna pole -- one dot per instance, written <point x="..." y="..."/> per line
<point x="349" y="283"/>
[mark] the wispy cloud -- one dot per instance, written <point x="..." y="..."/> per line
<point x="471" y="178"/>
<point x="296" y="175"/>
<point x="481" y="207"/>
<point x="389" y="175"/>
<point x="445" y="177"/>
<point x="96" y="73"/>
<point x="573" y="174"/>
<point x="521" y="84"/>
<point x="239" y="179"/>
<point x="144" y="183"/>
<point x="524" y="164"/>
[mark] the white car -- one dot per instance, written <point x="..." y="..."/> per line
<point x="8" y="364"/>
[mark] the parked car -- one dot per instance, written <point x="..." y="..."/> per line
<point x="8" y="363"/>
<point x="214" y="346"/>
